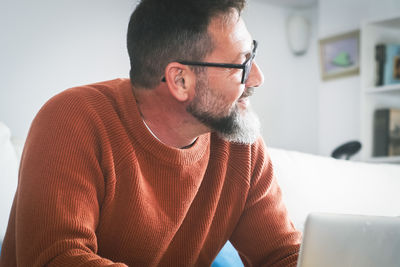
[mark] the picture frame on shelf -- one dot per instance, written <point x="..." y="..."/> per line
<point x="387" y="60"/>
<point x="340" y="55"/>
<point x="396" y="68"/>
<point x="394" y="134"/>
<point x="386" y="132"/>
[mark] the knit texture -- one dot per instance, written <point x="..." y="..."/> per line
<point x="97" y="189"/>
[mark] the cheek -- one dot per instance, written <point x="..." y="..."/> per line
<point x="229" y="87"/>
<point x="233" y="92"/>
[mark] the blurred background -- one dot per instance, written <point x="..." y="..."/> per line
<point x="49" y="46"/>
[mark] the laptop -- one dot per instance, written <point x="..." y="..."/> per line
<point x="337" y="240"/>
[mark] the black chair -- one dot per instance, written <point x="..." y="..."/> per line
<point x="347" y="150"/>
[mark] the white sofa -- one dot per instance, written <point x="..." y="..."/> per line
<point x="320" y="184"/>
<point x="9" y="161"/>
<point x="309" y="183"/>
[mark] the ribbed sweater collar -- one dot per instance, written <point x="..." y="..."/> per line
<point x="147" y="141"/>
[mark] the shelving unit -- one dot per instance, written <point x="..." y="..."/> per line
<point x="395" y="160"/>
<point x="393" y="88"/>
<point x="386" y="30"/>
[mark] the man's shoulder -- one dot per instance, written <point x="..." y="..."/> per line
<point x="95" y="95"/>
<point x="106" y="89"/>
<point x="91" y="105"/>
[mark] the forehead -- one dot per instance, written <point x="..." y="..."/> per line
<point x="230" y="35"/>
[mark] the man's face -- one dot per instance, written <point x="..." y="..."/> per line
<point x="221" y="100"/>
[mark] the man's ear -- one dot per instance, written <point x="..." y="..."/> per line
<point x="180" y="80"/>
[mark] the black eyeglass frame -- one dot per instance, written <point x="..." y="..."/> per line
<point x="246" y="66"/>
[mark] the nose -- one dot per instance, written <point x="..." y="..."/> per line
<point x="256" y="77"/>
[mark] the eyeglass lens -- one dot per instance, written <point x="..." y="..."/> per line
<point x="249" y="64"/>
<point x="247" y="69"/>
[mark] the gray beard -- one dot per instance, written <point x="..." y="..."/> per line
<point x="245" y="130"/>
<point x="239" y="126"/>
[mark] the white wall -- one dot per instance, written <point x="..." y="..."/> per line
<point x="48" y="46"/>
<point x="287" y="103"/>
<point x="298" y="110"/>
<point x="339" y="104"/>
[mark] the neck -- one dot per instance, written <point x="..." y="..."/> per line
<point x="169" y="122"/>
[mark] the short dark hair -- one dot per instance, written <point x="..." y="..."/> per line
<point x="163" y="31"/>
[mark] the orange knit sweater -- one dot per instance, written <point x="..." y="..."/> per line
<point x="97" y="189"/>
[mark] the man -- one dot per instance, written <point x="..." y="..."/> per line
<point x="161" y="169"/>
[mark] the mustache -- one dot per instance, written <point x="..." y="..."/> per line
<point x="248" y="92"/>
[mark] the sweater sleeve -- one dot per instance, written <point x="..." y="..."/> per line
<point x="61" y="188"/>
<point x="265" y="236"/>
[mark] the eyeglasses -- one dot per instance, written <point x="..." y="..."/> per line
<point x="246" y="66"/>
